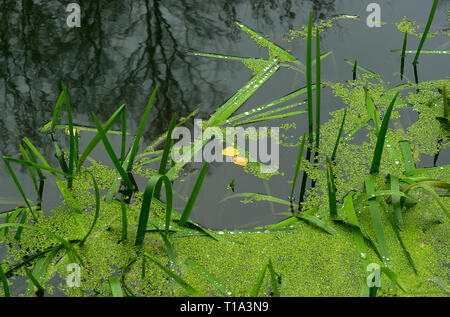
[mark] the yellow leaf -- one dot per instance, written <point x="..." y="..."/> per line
<point x="230" y="151"/>
<point x="240" y="160"/>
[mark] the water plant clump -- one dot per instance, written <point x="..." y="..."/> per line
<point x="370" y="204"/>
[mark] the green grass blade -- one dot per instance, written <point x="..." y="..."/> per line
<point x="72" y="154"/>
<point x="141" y="127"/>
<point x="393" y="277"/>
<point x="97" y="138"/>
<point x="30" y="169"/>
<point x="317" y="222"/>
<point x="111" y="153"/>
<point x="40" y="289"/>
<point x="395" y="186"/>
<point x="35" y="165"/>
<point x="281" y="116"/>
<point x="124" y="136"/>
<point x="259" y="280"/>
<point x="355" y="69"/>
<point x="195" y="191"/>
<point x="435" y="52"/>
<point x="146" y="204"/>
<point x="298" y="165"/>
<point x="402" y="63"/>
<point x="123" y="208"/>
<point x="191" y="290"/>
<point x="405" y="147"/>
<point x="403" y="246"/>
<point x="19" y="187"/>
<point x="376" y="221"/>
<point x="375" y="167"/>
<point x="278" y="101"/>
<point x="425" y="33"/>
<point x="372" y="110"/>
<point x="4" y="281"/>
<point x="336" y="145"/>
<point x="208" y="276"/>
<point x="57" y="111"/>
<point x="317" y="136"/>
<point x="165" y="156"/>
<point x="116" y="288"/>
<point x="258" y="197"/>
<point x="331" y="189"/>
<point x="273" y="279"/>
<point x="359" y="67"/>
<point x="309" y="78"/>
<point x="97" y="209"/>
<point x="445" y="101"/>
<point x="19" y="230"/>
<point x="238" y="99"/>
<point x="262" y="41"/>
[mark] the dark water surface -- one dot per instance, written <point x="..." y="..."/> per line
<point x="123" y="49"/>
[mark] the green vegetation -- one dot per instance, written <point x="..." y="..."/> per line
<point x="370" y="197"/>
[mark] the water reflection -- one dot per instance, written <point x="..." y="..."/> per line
<point x="122" y="50"/>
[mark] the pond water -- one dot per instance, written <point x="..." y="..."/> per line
<point x="124" y="49"/>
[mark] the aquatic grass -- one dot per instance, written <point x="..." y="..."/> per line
<point x="4" y="281"/>
<point x="298" y="165"/>
<point x="408" y="256"/>
<point x="262" y="41"/>
<point x="146" y="204"/>
<point x="317" y="136"/>
<point x="19" y="187"/>
<point x="257" y="197"/>
<point x="238" y="99"/>
<point x="422" y="40"/>
<point x="372" y="110"/>
<point x="364" y="69"/>
<point x="57" y="111"/>
<point x="273" y="279"/>
<point x="393" y="277"/>
<point x="72" y="154"/>
<point x="112" y="155"/>
<point x="123" y="144"/>
<point x="402" y="62"/>
<point x="123" y="209"/>
<point x="428" y="186"/>
<point x="19" y="230"/>
<point x="355" y="69"/>
<point x="405" y="148"/>
<point x="137" y="138"/>
<point x="30" y="169"/>
<point x="376" y="160"/>
<point x="97" y="138"/>
<point x="338" y="139"/>
<point x="116" y="287"/>
<point x="32" y="278"/>
<point x="97" y="209"/>
<point x="266" y="118"/>
<point x="425" y="32"/>
<point x="358" y="238"/>
<point x="376" y="220"/>
<point x="180" y="281"/>
<point x="395" y="186"/>
<point x="278" y="101"/>
<point x="165" y="155"/>
<point x="222" y="288"/>
<point x="331" y="188"/>
<point x="310" y="107"/>
<point x="195" y="191"/>
<point x="259" y="280"/>
<point x="435" y="52"/>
